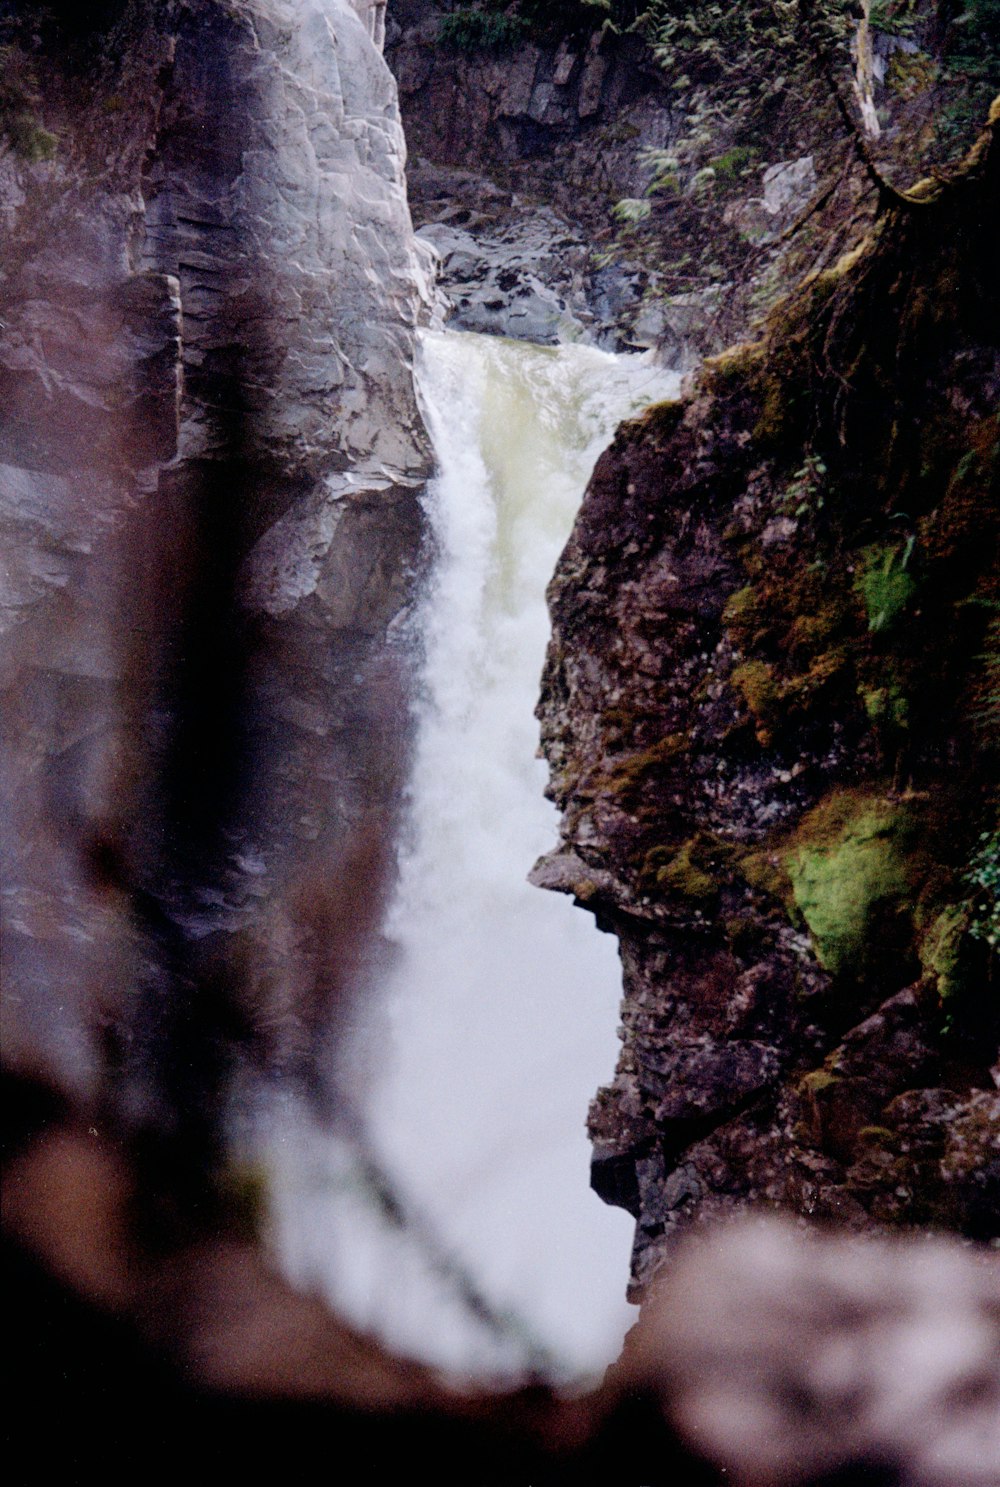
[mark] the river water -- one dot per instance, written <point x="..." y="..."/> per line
<point x="472" y="1076"/>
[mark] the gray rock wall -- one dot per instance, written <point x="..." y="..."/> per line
<point x="210" y="464"/>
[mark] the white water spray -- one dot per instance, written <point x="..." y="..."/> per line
<point x="499" y="1022"/>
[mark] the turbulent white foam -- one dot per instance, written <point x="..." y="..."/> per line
<point x="499" y="1022"/>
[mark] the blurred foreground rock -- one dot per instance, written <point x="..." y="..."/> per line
<point x="789" y="1355"/>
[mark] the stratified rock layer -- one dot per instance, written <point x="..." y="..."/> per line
<point x="770" y="713"/>
<point x="211" y="462"/>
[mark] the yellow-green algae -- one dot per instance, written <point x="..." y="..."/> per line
<point x="850" y="857"/>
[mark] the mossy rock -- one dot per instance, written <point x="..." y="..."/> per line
<point x="878" y="1136"/>
<point x="886" y="706"/>
<point x="811" y="632"/>
<point x="693" y="870"/>
<point x="941" y="949"/>
<point x="801" y="691"/>
<point x="683" y="876"/>
<point x="747" y="936"/>
<point x="736" y="364"/>
<point x="662" y="418"/>
<point x="755" y="681"/>
<point x="742" y="616"/>
<point x="628" y="777"/>
<point x="766" y="872"/>
<point x="850" y="863"/>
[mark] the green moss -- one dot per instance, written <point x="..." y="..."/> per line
<point x="736" y="364"/>
<point x="469" y="30"/>
<point x="631" y="774"/>
<point x="819" y="1081"/>
<point x="19" y="101"/>
<point x="28" y="139"/>
<point x="941" y="949"/>
<point x="662" y="418"/>
<point x="886" y="706"/>
<point x="685" y="877"/>
<point x="741" y="616"/>
<point x="766" y="872"/>
<point x="745" y="935"/>
<point x="885" y="583"/>
<point x="803" y="690"/>
<point x="754" y="680"/>
<point x="733" y="163"/>
<point x="848" y="864"/>
<point x="812" y="631"/>
<point x="877" y="1136"/>
<point x="911" y="74"/>
<point x="694" y="869"/>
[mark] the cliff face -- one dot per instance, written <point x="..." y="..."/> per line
<point x="566" y="118"/>
<point x="211" y="460"/>
<point x="770" y="713"/>
<point x="700" y="161"/>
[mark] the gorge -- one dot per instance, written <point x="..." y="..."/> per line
<point x="768" y="711"/>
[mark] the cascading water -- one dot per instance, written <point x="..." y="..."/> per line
<point x="498" y="1022"/>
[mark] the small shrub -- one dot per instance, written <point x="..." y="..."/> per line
<point x="481" y="31"/>
<point x="984" y="880"/>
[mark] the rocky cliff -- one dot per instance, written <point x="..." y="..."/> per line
<point x="770" y="714"/>
<point x="658" y="175"/>
<point x="211" y="463"/>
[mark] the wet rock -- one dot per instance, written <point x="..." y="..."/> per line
<point x="508" y="266"/>
<point x="211" y="463"/>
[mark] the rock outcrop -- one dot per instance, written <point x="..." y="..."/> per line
<point x="211" y="464"/>
<point x="519" y="155"/>
<point x="566" y="119"/>
<point x="770" y="714"/>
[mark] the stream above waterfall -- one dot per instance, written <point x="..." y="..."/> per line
<point x="471" y="1074"/>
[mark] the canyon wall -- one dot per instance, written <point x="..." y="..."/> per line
<point x="211" y="465"/>
<point x="770" y="714"/>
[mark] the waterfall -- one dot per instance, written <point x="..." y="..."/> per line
<point x="498" y="1023"/>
